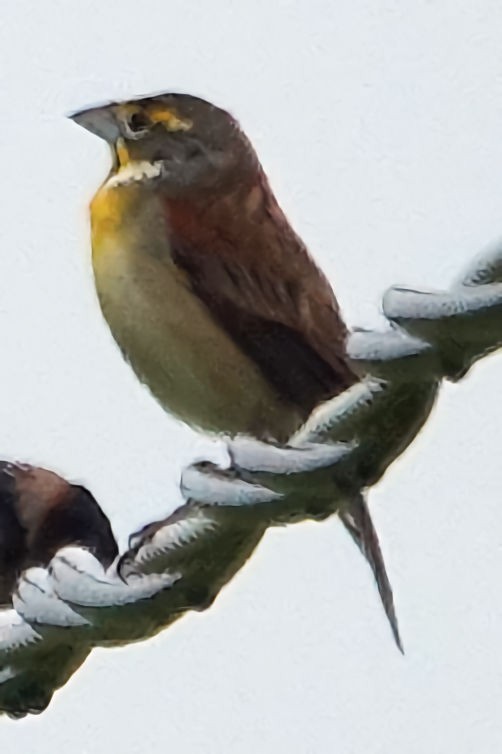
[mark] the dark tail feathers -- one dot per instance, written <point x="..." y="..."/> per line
<point x="357" y="521"/>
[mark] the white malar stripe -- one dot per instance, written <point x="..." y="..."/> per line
<point x="134" y="172"/>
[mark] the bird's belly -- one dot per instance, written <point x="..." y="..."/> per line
<point x="190" y="364"/>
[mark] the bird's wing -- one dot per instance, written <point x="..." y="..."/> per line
<point x="263" y="287"/>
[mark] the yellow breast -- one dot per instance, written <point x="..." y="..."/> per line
<point x="176" y="348"/>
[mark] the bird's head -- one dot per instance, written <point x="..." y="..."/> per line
<point x="179" y="140"/>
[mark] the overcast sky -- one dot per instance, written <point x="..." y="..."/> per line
<point x="380" y="126"/>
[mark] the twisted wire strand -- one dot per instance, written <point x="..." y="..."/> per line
<point x="61" y="612"/>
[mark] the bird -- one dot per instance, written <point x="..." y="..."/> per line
<point x="210" y="294"/>
<point x="40" y="513"/>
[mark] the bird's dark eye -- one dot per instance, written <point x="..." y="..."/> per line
<point x="138" y="123"/>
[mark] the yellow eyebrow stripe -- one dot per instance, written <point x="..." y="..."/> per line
<point x="169" y="119"/>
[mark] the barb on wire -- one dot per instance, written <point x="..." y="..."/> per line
<point x="180" y="563"/>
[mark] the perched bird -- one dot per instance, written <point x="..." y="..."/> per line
<point x="211" y="296"/>
<point x="40" y="513"/>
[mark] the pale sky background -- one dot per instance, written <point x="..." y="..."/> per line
<point x="380" y="125"/>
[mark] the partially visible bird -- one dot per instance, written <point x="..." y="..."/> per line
<point x="40" y="513"/>
<point x="210" y="294"/>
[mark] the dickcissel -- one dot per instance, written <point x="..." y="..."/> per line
<point x="211" y="296"/>
<point x="40" y="513"/>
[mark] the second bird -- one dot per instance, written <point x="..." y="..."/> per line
<point x="210" y="294"/>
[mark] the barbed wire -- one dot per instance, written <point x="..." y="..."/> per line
<point x="61" y="612"/>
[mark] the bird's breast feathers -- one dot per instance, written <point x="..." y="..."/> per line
<point x="166" y="332"/>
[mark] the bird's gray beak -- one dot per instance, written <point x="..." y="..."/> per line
<point x="98" y="120"/>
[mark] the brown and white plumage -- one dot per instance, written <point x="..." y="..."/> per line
<point x="210" y="294"/>
<point x="39" y="514"/>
